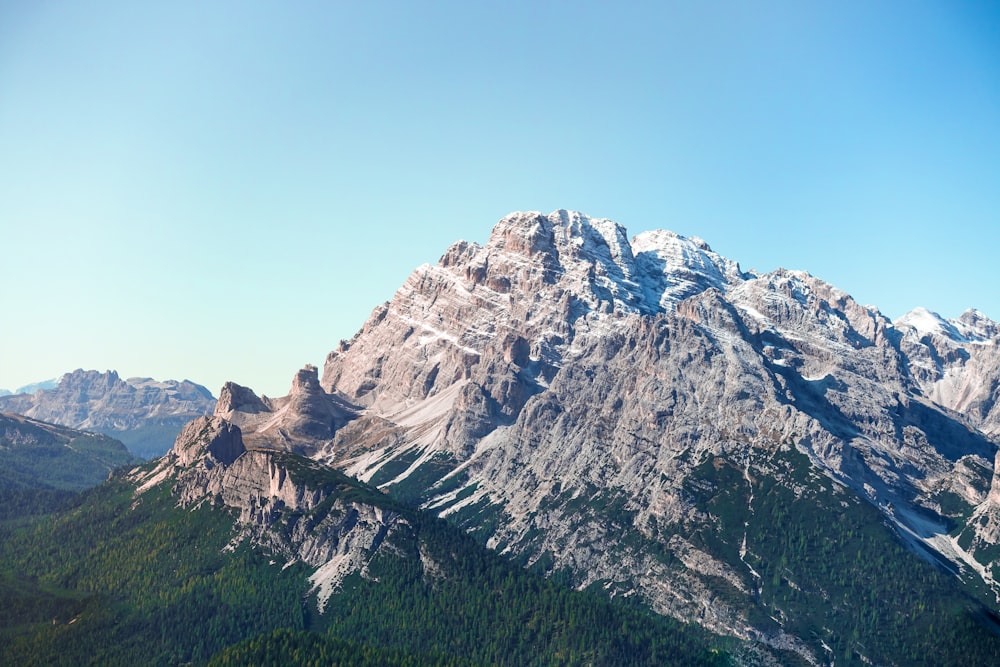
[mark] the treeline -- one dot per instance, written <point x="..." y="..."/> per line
<point x="493" y="612"/>
<point x="115" y="580"/>
<point x="833" y="570"/>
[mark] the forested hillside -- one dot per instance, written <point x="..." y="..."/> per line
<point x="117" y="579"/>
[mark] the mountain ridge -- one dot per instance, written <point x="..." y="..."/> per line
<point x="757" y="453"/>
<point x="144" y="413"/>
<point x="561" y="363"/>
<point x="40" y="456"/>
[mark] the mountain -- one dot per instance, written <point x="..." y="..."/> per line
<point x="634" y="416"/>
<point x="31" y="388"/>
<point x="298" y="422"/>
<point x="216" y="553"/>
<point x="956" y="363"/>
<point x="642" y="420"/>
<point x="141" y="412"/>
<point x="35" y="386"/>
<point x="43" y="465"/>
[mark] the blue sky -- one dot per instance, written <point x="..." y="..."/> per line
<point x="224" y="190"/>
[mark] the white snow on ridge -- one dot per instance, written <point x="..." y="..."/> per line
<point x="924" y="322"/>
<point x="431" y="334"/>
<point x="976" y="327"/>
<point x="973" y="327"/>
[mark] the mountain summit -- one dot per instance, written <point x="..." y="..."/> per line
<point x="633" y="415"/>
<point x="755" y="453"/>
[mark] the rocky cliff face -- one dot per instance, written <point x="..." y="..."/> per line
<point x="956" y="363"/>
<point x="504" y="316"/>
<point x="283" y="503"/>
<point x="142" y="412"/>
<point x="303" y="421"/>
<point x="465" y="345"/>
<point x="576" y="399"/>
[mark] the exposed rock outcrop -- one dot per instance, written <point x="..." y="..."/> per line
<point x="211" y="440"/>
<point x="560" y="359"/>
<point x="956" y="363"/>
<point x="303" y="421"/>
<point x="285" y="504"/>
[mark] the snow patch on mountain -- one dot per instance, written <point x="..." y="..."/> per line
<point x="972" y="327"/>
<point x="924" y="322"/>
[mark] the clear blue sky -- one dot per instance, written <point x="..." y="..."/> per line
<point x="224" y="190"/>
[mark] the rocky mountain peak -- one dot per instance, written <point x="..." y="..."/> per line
<point x="526" y="233"/>
<point x="297" y="422"/>
<point x="588" y="404"/>
<point x="596" y="239"/>
<point x="672" y="267"/>
<point x="559" y="359"/>
<point x="975" y="326"/>
<point x="921" y="322"/>
<point x="563" y="239"/>
<point x="971" y="326"/>
<point x="237" y="398"/>
<point x="210" y="439"/>
<point x="956" y="362"/>
<point x="306" y="381"/>
<point x="291" y="507"/>
<point x="508" y="315"/>
<point x="179" y="390"/>
<point x="91" y="381"/>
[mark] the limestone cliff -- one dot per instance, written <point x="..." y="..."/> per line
<point x="283" y="503"/>
<point x="576" y="399"/>
<point x="303" y="421"/>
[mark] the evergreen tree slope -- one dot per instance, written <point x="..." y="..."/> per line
<point x="38" y="455"/>
<point x="129" y="577"/>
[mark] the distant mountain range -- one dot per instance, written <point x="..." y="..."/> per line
<point x="788" y="474"/>
<point x="32" y="388"/>
<point x="38" y="455"/>
<point x="143" y="413"/>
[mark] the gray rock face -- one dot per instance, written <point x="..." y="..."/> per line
<point x="276" y="508"/>
<point x="303" y="421"/>
<point x="506" y="314"/>
<point x="956" y="363"/>
<point x="559" y="389"/>
<point x="211" y="439"/>
<point x="144" y="413"/>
